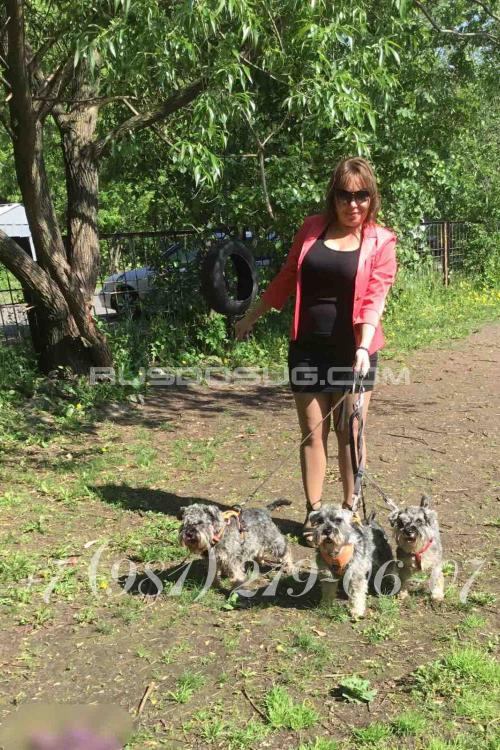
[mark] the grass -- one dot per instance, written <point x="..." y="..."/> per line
<point x="67" y="481"/>
<point x="186" y="687"/>
<point x="422" y="312"/>
<point x="284" y="713"/>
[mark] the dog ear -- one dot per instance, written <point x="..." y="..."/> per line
<point x="214" y="512"/>
<point x="180" y="514"/>
<point x="314" y="517"/>
<point x="430" y="516"/>
<point x="393" y="517"/>
<point x="425" y="501"/>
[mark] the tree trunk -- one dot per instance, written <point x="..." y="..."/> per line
<point x="66" y="334"/>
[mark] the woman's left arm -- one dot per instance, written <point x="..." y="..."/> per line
<point x="380" y="281"/>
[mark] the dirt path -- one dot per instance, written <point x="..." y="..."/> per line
<point x="436" y="430"/>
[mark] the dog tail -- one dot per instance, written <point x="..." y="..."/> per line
<point x="277" y="504"/>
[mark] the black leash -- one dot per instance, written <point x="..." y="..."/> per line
<point x="356" y="445"/>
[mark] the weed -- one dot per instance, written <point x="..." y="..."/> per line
<point x="283" y="713"/>
<point x="309" y="643"/>
<point x="85" y="616"/>
<point x="355" y="689"/>
<point x="170" y="655"/>
<point x="409" y="724"/>
<point x="476" y="705"/>
<point x="482" y="598"/>
<point x="337" y="612"/>
<point x="373" y="733"/>
<point x="379" y="632"/>
<point x="320" y="743"/>
<point x="14" y="566"/>
<point x="186" y="687"/>
<point x="387" y="606"/>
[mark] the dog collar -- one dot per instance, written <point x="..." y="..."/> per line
<point x="339" y="562"/>
<point x="418" y="555"/>
<point x="228" y="515"/>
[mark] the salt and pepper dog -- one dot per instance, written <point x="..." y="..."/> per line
<point x="348" y="551"/>
<point x="236" y="537"/>
<point x="418" y="540"/>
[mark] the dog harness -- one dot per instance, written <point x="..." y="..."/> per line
<point x="339" y="562"/>
<point x="418" y="555"/>
<point x="228" y="515"/>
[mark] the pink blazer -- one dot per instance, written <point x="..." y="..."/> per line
<point x="374" y="277"/>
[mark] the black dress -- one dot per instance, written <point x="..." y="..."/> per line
<point x="320" y="359"/>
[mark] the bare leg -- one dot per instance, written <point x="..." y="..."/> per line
<point x="311" y="409"/>
<point x="341" y="424"/>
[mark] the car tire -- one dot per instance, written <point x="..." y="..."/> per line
<point x="214" y="283"/>
<point x="126" y="301"/>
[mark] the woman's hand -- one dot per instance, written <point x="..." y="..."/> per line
<point x="243" y="327"/>
<point x="361" y="362"/>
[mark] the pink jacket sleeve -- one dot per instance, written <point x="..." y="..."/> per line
<point x="381" y="279"/>
<point x="283" y="284"/>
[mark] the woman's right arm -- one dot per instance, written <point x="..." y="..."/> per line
<point x="279" y="289"/>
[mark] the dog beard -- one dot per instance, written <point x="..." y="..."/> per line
<point x="197" y="543"/>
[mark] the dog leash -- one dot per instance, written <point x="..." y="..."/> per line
<point x="358" y="468"/>
<point x="288" y="458"/>
<point x="356" y="446"/>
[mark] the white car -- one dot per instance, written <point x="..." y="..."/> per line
<point x="123" y="291"/>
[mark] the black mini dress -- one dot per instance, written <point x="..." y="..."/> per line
<point x="320" y="359"/>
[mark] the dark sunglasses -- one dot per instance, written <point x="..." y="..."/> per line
<point x="360" y="196"/>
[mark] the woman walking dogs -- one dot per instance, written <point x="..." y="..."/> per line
<point x="341" y="266"/>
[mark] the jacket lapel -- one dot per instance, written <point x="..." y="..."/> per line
<point x="368" y="244"/>
<point x="315" y="230"/>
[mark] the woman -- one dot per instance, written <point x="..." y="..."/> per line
<point x="341" y="267"/>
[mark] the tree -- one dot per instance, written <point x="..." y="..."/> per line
<point x="206" y="83"/>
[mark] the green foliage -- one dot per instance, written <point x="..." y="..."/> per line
<point x="355" y="689"/>
<point x="283" y="713"/>
<point x="482" y="255"/>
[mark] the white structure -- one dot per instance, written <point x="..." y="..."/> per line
<point x="13" y="223"/>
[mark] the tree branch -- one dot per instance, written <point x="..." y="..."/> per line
<point x="34" y="61"/>
<point x="147" y="119"/>
<point x="55" y="83"/>
<point x="24" y="268"/>
<point x="486" y="9"/>
<point x="460" y="34"/>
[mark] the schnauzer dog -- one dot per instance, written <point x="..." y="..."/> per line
<point x="418" y="540"/>
<point x="348" y="551"/>
<point x="236" y="537"/>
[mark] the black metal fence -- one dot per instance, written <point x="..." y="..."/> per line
<point x="135" y="264"/>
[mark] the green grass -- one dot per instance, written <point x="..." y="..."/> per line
<point x="186" y="687"/>
<point x="284" y="713"/>
<point x="320" y="743"/>
<point x="421" y="311"/>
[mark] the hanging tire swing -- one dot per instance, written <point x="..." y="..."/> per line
<point x="229" y="278"/>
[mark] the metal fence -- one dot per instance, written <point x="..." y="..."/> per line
<point x="445" y="242"/>
<point x="132" y="263"/>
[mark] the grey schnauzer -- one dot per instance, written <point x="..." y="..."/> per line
<point x="236" y="537"/>
<point x="418" y="540"/>
<point x="348" y="551"/>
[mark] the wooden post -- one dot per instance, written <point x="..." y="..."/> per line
<point x="445" y="253"/>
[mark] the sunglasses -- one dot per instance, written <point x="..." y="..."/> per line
<point x="360" y="196"/>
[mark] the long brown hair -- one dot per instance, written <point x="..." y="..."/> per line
<point x="352" y="167"/>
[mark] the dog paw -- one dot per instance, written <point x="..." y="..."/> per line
<point x="357" y="614"/>
<point x="437" y="596"/>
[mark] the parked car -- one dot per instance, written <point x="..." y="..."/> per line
<point x="123" y="291"/>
